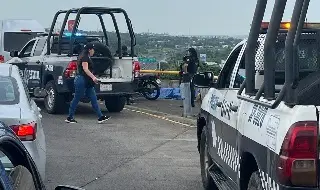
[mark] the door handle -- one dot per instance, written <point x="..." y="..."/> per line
<point x="38" y="62"/>
<point x="234" y="108"/>
<point x="219" y="104"/>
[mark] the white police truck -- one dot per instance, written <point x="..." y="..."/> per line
<point x="258" y="128"/>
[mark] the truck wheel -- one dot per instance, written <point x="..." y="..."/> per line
<point x="205" y="163"/>
<point x="255" y="182"/>
<point x="115" y="103"/>
<point x="54" y="102"/>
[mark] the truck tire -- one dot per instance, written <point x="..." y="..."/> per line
<point x="255" y="182"/>
<point x="100" y="65"/>
<point x="205" y="163"/>
<point x="54" y="102"/>
<point x="115" y="103"/>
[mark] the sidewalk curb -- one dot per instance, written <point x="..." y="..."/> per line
<point x="192" y="122"/>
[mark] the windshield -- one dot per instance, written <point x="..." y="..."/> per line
<point x="16" y="40"/>
<point x="9" y="92"/>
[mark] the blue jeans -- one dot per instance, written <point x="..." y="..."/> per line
<point x="80" y="90"/>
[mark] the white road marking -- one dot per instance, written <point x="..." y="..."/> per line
<point x="161" y="117"/>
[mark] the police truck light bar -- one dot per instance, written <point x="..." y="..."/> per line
<point x="286" y="25"/>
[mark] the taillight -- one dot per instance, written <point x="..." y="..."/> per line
<point x="297" y="164"/>
<point x="71" y="69"/>
<point x="136" y="68"/>
<point x="1" y="59"/>
<point x="26" y="132"/>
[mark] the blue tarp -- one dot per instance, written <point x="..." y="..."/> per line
<point x="176" y="93"/>
<point x="170" y="93"/>
<point x="166" y="93"/>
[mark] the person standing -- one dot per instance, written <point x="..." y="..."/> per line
<point x="185" y="90"/>
<point x="192" y="68"/>
<point x="84" y="83"/>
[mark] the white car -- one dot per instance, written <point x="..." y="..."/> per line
<point x="22" y="115"/>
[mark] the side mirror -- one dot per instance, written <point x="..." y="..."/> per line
<point x="14" y="53"/>
<point x="67" y="187"/>
<point x="204" y="80"/>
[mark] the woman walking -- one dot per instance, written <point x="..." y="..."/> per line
<point x="84" y="83"/>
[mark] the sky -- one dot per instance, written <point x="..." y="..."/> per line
<point x="176" y="17"/>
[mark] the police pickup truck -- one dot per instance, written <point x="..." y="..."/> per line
<point x="49" y="63"/>
<point x="258" y="128"/>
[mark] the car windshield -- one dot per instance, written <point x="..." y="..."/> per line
<point x="16" y="40"/>
<point x="9" y="92"/>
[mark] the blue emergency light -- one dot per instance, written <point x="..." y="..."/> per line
<point x="69" y="34"/>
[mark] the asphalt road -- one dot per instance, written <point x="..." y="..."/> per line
<point x="130" y="151"/>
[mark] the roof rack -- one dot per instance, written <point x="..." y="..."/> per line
<point x="99" y="11"/>
<point x="291" y="43"/>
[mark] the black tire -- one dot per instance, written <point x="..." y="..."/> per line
<point x="255" y="182"/>
<point x="115" y="103"/>
<point x="54" y="102"/>
<point x="207" y="180"/>
<point x="156" y="87"/>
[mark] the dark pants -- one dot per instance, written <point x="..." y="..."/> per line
<point x="193" y="93"/>
<point x="80" y="90"/>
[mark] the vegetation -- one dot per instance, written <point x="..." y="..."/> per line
<point x="170" y="49"/>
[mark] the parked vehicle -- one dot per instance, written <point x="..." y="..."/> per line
<point x="52" y="63"/>
<point x="149" y="86"/>
<point x="15" y="33"/>
<point x="259" y="129"/>
<point x="23" y="172"/>
<point x="22" y="115"/>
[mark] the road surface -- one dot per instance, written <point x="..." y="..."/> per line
<point x="131" y="151"/>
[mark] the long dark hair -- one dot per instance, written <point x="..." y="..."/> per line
<point x="194" y="54"/>
<point x="85" y="50"/>
<point x="83" y="53"/>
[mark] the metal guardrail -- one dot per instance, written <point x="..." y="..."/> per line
<point x="164" y="72"/>
<point x="160" y="72"/>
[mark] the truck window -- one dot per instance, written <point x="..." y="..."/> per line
<point x="40" y="45"/>
<point x="14" y="41"/>
<point x="241" y="74"/>
<point x="307" y="58"/>
<point x="26" y="51"/>
<point x="226" y="73"/>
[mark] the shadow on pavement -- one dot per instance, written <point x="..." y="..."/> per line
<point x="82" y="109"/>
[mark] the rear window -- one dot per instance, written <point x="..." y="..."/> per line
<point x="9" y="91"/>
<point x="79" y="42"/>
<point x="307" y="55"/>
<point x="16" y="40"/>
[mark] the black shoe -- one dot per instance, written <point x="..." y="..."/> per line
<point x="70" y="120"/>
<point x="103" y="119"/>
